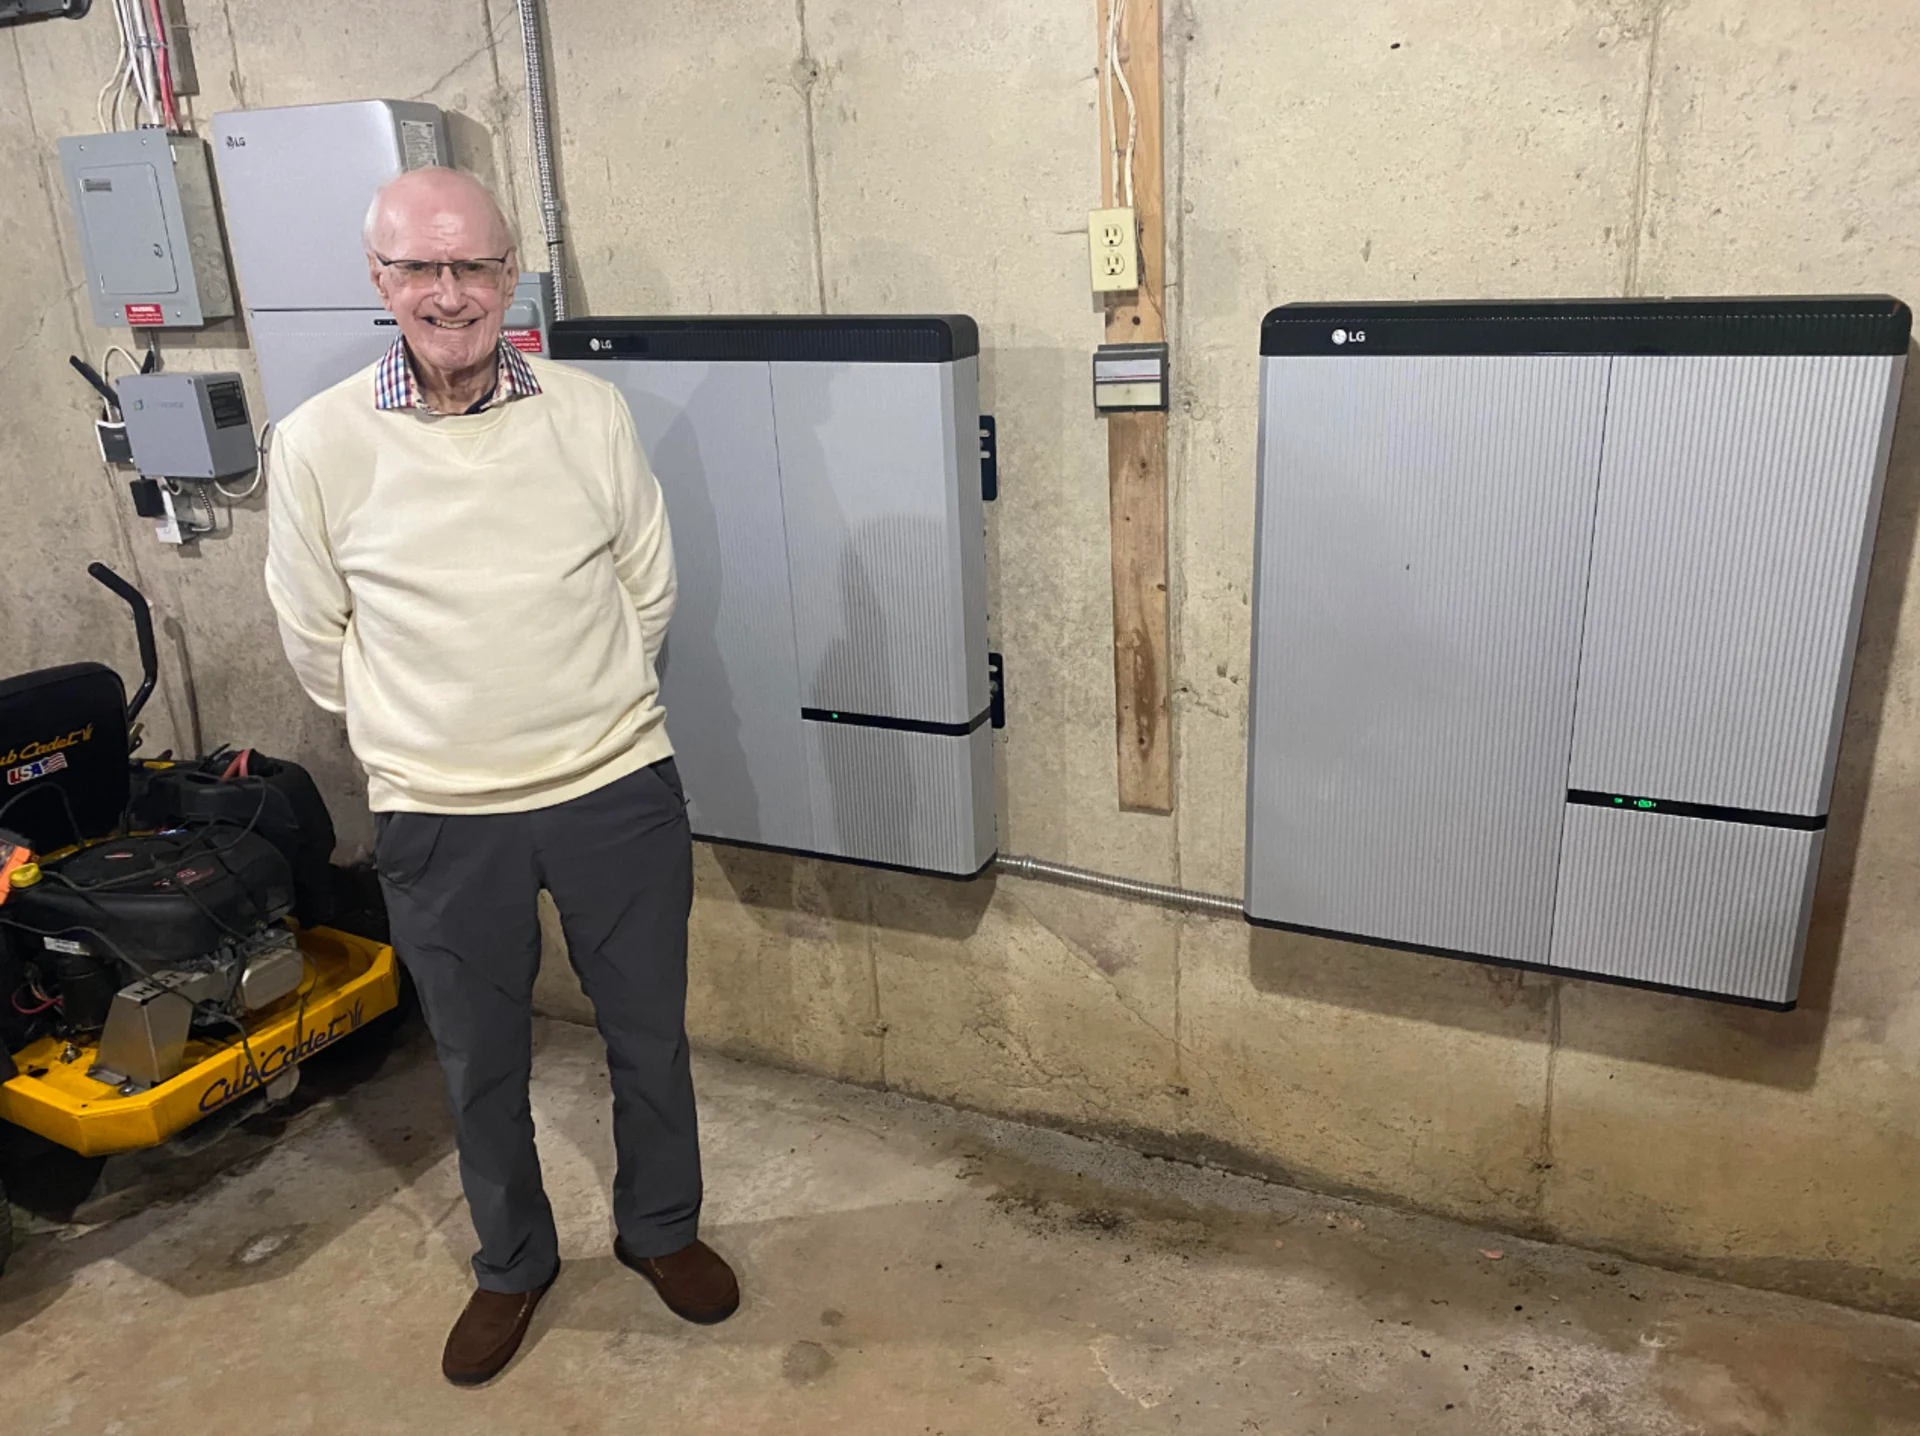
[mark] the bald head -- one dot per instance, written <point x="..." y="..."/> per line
<point x="441" y="254"/>
<point x="435" y="201"/>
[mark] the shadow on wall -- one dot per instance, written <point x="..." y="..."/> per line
<point x="1744" y="1044"/>
<point x="693" y="637"/>
<point x="898" y="902"/>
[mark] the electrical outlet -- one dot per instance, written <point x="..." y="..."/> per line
<point x="1114" y="250"/>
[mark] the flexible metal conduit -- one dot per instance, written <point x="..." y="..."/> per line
<point x="1040" y="870"/>
<point x="541" y="136"/>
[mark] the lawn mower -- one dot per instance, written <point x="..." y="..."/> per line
<point x="163" y="948"/>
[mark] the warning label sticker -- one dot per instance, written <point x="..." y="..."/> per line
<point x="418" y="145"/>
<point x="527" y="341"/>
<point x="145" y="314"/>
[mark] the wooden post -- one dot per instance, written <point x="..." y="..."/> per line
<point x="1137" y="443"/>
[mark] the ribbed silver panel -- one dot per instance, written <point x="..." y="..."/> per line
<point x="1735" y="520"/>
<point x="727" y="675"/>
<point x="1420" y="567"/>
<point x="869" y="465"/>
<point x="908" y="799"/>
<point x="1719" y="907"/>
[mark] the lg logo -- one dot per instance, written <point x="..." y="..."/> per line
<point x="1349" y="336"/>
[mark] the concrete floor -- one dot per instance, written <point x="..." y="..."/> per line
<point x="908" y="1269"/>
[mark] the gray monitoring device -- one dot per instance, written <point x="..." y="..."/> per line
<point x="187" y="426"/>
<point x="826" y="674"/>
<point x="1555" y="607"/>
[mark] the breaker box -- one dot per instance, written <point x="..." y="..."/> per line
<point x="295" y="183"/>
<point x="149" y="233"/>
<point x="826" y="672"/>
<point x="1554" y="618"/>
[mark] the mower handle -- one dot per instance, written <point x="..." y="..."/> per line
<point x="142" y="630"/>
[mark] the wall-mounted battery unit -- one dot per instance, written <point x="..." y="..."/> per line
<point x="295" y="184"/>
<point x="149" y="234"/>
<point x="1555" y="611"/>
<point x="826" y="672"/>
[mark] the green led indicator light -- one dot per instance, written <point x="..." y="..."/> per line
<point x="1644" y="803"/>
<point x="834" y="716"/>
<point x="1618" y="801"/>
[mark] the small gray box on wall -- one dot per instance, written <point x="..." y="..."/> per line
<point x="826" y="671"/>
<point x="188" y="426"/>
<point x="149" y="234"/>
<point x="1555" y="607"/>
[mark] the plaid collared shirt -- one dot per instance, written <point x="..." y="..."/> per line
<point x="394" y="386"/>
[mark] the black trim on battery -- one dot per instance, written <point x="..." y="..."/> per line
<point x="829" y="338"/>
<point x="896" y="725"/>
<point x="989" y="459"/>
<point x="1840" y="324"/>
<point x="1714" y="812"/>
<point x="1549" y="968"/>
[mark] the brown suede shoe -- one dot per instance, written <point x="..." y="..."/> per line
<point x="694" y="1282"/>
<point x="488" y="1333"/>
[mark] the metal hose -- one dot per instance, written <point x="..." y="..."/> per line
<point x="1040" y="870"/>
<point x="541" y="136"/>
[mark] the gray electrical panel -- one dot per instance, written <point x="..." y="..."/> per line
<point x="295" y="184"/>
<point x="1554" y="615"/>
<point x="529" y="315"/>
<point x="149" y="232"/>
<point x="187" y="426"/>
<point x="826" y="674"/>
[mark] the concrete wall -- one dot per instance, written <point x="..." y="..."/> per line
<point x="792" y="155"/>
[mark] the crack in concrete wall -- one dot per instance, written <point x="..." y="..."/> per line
<point x="1642" y="162"/>
<point x="806" y="75"/>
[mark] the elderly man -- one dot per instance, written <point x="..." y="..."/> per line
<point x="469" y="558"/>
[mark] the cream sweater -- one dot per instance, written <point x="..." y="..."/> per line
<point x="482" y="595"/>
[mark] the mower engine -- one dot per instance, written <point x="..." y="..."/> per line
<point x="149" y="940"/>
<point x="144" y="904"/>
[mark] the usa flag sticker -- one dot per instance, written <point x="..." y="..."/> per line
<point x="27" y="772"/>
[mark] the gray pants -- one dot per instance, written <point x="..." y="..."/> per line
<point x="461" y="897"/>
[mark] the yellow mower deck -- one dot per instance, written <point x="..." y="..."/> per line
<point x="356" y="981"/>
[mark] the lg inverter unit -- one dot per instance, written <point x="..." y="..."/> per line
<point x="826" y="674"/>
<point x="295" y="183"/>
<point x="1555" y="611"/>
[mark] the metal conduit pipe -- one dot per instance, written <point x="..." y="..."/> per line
<point x="1040" y="870"/>
<point x="541" y="137"/>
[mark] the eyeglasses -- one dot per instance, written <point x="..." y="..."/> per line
<point x="465" y="273"/>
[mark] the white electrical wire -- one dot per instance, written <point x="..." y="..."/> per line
<point x="1117" y="71"/>
<point x="259" y="468"/>
<point x="244" y="494"/>
<point x="117" y="77"/>
<point x="139" y="43"/>
<point x="106" y="360"/>
<point x="1107" y="121"/>
<point x="130" y="65"/>
<point x="120" y="96"/>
